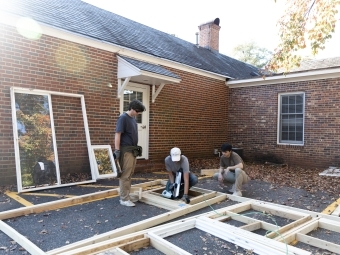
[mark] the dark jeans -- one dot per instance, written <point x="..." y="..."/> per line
<point x="193" y="179"/>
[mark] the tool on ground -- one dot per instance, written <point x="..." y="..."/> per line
<point x="177" y="185"/>
<point x="167" y="194"/>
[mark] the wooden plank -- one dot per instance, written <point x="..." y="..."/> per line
<point x="290" y="235"/>
<point x="135" y="245"/>
<point x="241" y="207"/>
<point x="209" y="172"/>
<point x="163" y="202"/>
<point x="278" y="211"/>
<point x="309" y="227"/>
<point x="144" y="224"/>
<point x="223" y="218"/>
<point x="245" y="238"/>
<point x="307" y="212"/>
<point x="20" y="239"/>
<point x="318" y="243"/>
<point x="165" y="246"/>
<point x="238" y="207"/>
<point x="173" y="229"/>
<point x="104" y="245"/>
<point x="202" y="197"/>
<point x="58" y="204"/>
<point x="289" y="226"/>
<point x="69" y="201"/>
<point x="252" y="226"/>
<point x="115" y="251"/>
<point x="94" y="249"/>
<point x="227" y="234"/>
<point x="193" y="193"/>
<point x="329" y="225"/>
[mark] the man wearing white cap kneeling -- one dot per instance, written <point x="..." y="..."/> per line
<point x="177" y="163"/>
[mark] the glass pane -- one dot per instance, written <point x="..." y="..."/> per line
<point x="285" y="108"/>
<point x="284" y="99"/>
<point x="35" y="140"/>
<point x="299" y="99"/>
<point x="130" y="95"/>
<point x="103" y="161"/>
<point x="299" y="108"/>
<point x="291" y="127"/>
<point x="291" y="108"/>
<point x="291" y="136"/>
<point x="291" y="100"/>
<point x="140" y="96"/>
<point x="285" y="136"/>
<point x="126" y="106"/>
<point x="299" y="136"/>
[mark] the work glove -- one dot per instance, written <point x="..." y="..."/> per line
<point x="186" y="199"/>
<point x="116" y="154"/>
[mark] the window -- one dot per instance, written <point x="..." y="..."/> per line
<point x="291" y="118"/>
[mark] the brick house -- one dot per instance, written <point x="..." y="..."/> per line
<point x="291" y="118"/>
<point x="83" y="65"/>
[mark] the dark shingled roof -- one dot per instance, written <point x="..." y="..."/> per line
<point x="150" y="67"/>
<point x="85" y="19"/>
<point x="316" y="64"/>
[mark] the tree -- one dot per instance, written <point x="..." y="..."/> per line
<point x="304" y="23"/>
<point x="253" y="54"/>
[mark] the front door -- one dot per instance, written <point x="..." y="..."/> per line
<point x="141" y="93"/>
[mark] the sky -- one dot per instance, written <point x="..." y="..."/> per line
<point x="241" y="21"/>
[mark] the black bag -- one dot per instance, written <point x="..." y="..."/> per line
<point x="138" y="151"/>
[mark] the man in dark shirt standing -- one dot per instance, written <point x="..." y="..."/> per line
<point x="126" y="149"/>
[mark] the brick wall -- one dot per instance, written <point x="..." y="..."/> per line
<point x="57" y="65"/>
<point x="253" y="123"/>
<point x="191" y="115"/>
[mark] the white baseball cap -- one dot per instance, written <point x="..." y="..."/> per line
<point x="175" y="154"/>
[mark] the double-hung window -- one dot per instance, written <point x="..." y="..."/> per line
<point x="291" y="118"/>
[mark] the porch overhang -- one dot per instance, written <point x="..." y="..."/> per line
<point x="132" y="70"/>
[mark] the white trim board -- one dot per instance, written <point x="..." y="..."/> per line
<point x="290" y="77"/>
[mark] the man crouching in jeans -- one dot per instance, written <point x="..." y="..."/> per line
<point x="179" y="163"/>
<point x="232" y="170"/>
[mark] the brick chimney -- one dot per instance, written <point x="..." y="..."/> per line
<point x="209" y="34"/>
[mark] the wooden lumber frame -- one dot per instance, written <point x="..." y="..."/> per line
<point x="301" y="234"/>
<point x="20" y="239"/>
<point x="301" y="217"/>
<point x="245" y="239"/>
<point x="138" y="234"/>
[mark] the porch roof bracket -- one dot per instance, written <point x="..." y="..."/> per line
<point x="155" y="93"/>
<point x="120" y="87"/>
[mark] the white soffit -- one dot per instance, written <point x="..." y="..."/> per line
<point x="289" y="77"/>
<point x="126" y="69"/>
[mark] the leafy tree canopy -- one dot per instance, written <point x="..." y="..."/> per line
<point x="251" y="53"/>
<point x="305" y="23"/>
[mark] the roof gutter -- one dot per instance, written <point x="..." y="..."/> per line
<point x="285" y="78"/>
<point x="11" y="20"/>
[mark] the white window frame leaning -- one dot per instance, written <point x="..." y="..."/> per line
<point x="279" y="131"/>
<point x="16" y="145"/>
<point x="95" y="163"/>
